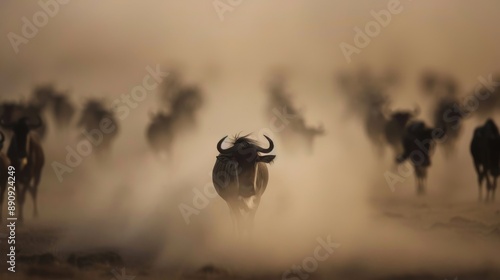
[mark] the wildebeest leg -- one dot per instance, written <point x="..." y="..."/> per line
<point x="488" y="187"/>
<point x="493" y="188"/>
<point x="480" y="177"/>
<point x="20" y="197"/>
<point x="34" y="192"/>
<point x="235" y="217"/>
<point x="251" y="215"/>
<point x="418" y="176"/>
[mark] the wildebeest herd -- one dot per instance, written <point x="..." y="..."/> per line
<point x="25" y="127"/>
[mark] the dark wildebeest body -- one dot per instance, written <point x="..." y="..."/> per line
<point x="485" y="150"/>
<point x="27" y="157"/>
<point x="395" y="126"/>
<point x="183" y="104"/>
<point x="240" y="177"/>
<point x="290" y="121"/>
<point x="62" y="110"/>
<point x="160" y="133"/>
<point x="93" y="118"/>
<point x="4" y="165"/>
<point x="12" y="112"/>
<point x="418" y="144"/>
<point x="448" y="118"/>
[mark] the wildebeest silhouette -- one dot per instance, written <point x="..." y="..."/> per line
<point x="13" y="111"/>
<point x="27" y="157"/>
<point x="92" y="118"/>
<point x="418" y="146"/>
<point x="449" y="118"/>
<point x="4" y="165"/>
<point x="395" y="125"/>
<point x="485" y="150"/>
<point x="240" y="177"/>
<point x="179" y="116"/>
<point x="294" y="132"/>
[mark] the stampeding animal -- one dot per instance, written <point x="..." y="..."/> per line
<point x="27" y="157"/>
<point x="4" y="165"/>
<point x="93" y="118"/>
<point x="485" y="150"/>
<point x="240" y="177"/>
<point x="395" y="126"/>
<point x="418" y="145"/>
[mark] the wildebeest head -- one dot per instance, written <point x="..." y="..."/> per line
<point x="18" y="153"/>
<point x="247" y="150"/>
<point x="242" y="160"/>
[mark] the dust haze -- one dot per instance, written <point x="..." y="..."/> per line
<point x="131" y="201"/>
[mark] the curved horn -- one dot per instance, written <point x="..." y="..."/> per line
<point x="416" y="111"/>
<point x="219" y="146"/>
<point x="268" y="150"/>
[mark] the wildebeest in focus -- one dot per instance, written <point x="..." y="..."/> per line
<point x="293" y="130"/>
<point x="485" y="150"/>
<point x="4" y="165"/>
<point x="100" y="125"/>
<point x="240" y="177"/>
<point x="418" y="145"/>
<point x="27" y="157"/>
<point x="395" y="125"/>
<point x="13" y="111"/>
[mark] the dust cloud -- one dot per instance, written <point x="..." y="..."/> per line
<point x="131" y="201"/>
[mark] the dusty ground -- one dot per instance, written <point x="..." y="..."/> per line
<point x="470" y="223"/>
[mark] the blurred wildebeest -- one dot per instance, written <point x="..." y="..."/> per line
<point x="295" y="132"/>
<point x="27" y="157"/>
<point x="13" y="111"/>
<point x="99" y="124"/>
<point x="184" y="103"/>
<point x="240" y="177"/>
<point x="62" y="110"/>
<point x="485" y="150"/>
<point x="418" y="145"/>
<point x="488" y="97"/>
<point x="160" y="132"/>
<point x="448" y="117"/>
<point x="394" y="128"/>
<point x="58" y="103"/>
<point x="367" y="99"/>
<point x="435" y="84"/>
<point x="4" y="165"/>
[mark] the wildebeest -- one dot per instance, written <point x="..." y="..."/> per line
<point x="395" y="125"/>
<point x="418" y="145"/>
<point x="160" y="132"/>
<point x="4" y="165"/>
<point x="94" y="117"/>
<point x="485" y="150"/>
<point x="27" y="157"/>
<point x="62" y="110"/>
<point x="178" y="117"/>
<point x="448" y="118"/>
<point x="13" y="111"/>
<point x="240" y="177"/>
<point x="293" y="128"/>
